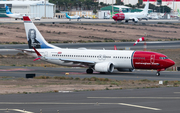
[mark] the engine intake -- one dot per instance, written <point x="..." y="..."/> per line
<point x="104" y="67"/>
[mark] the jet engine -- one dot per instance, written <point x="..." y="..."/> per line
<point x="125" y="70"/>
<point x="135" y="20"/>
<point x="104" y="67"/>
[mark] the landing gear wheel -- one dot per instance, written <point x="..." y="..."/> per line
<point x="126" y="21"/>
<point x="89" y="71"/>
<point x="158" y="73"/>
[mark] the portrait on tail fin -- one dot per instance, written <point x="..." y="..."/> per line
<point x="32" y="42"/>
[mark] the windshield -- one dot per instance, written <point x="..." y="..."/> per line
<point x="163" y="58"/>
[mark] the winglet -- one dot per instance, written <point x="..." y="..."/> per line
<point x="26" y="18"/>
<point x="38" y="54"/>
<point x="115" y="48"/>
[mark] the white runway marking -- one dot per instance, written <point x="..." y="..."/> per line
<point x="135" y="97"/>
<point x="144" y="107"/>
<point x="177" y="92"/>
<point x="18" y="110"/>
<point x="56" y="103"/>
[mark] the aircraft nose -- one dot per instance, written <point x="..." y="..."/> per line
<point x="171" y="63"/>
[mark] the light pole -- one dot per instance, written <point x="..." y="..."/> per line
<point x="112" y="9"/>
<point x="45" y="9"/>
<point x="57" y="5"/>
<point x="173" y="7"/>
<point x="77" y="6"/>
<point x="64" y="6"/>
<point x="81" y="6"/>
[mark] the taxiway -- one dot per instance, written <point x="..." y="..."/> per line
<point x="20" y="72"/>
<point x="10" y="49"/>
<point x="50" y="21"/>
<point x="154" y="100"/>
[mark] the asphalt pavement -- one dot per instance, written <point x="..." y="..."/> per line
<point x="20" y="72"/>
<point x="54" y="21"/>
<point x="154" y="100"/>
<point x="10" y="48"/>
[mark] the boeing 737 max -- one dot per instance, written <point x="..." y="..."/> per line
<point x="132" y="16"/>
<point x="99" y="60"/>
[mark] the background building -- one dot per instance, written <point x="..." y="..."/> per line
<point x="32" y="8"/>
<point x="132" y="2"/>
<point x="24" y="0"/>
<point x="173" y="5"/>
<point x="106" y="1"/>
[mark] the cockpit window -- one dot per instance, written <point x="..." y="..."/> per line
<point x="116" y="15"/>
<point x="163" y="58"/>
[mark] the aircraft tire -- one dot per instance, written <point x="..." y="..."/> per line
<point x="89" y="71"/>
<point x="158" y="73"/>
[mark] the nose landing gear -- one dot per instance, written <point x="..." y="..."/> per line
<point x="158" y="73"/>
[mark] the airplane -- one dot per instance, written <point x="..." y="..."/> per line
<point x="73" y="17"/>
<point x="13" y="15"/>
<point x="103" y="61"/>
<point x="135" y="17"/>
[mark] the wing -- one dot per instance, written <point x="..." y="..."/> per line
<point x="83" y="62"/>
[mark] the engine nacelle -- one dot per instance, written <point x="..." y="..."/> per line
<point x="125" y="70"/>
<point x="104" y="67"/>
<point x="135" y="20"/>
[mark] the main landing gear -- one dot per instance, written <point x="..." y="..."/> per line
<point x="158" y="73"/>
<point x="89" y="71"/>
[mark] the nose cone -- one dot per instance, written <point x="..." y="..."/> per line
<point x="114" y="17"/>
<point x="171" y="63"/>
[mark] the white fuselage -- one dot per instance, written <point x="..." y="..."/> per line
<point x="74" y="17"/>
<point x="15" y="15"/>
<point x="129" y="16"/>
<point x="119" y="58"/>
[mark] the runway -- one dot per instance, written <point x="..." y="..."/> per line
<point x="20" y="72"/>
<point x="8" y="49"/>
<point x="154" y="100"/>
<point x="50" y="21"/>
